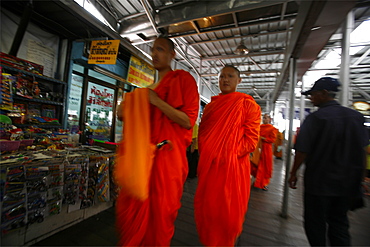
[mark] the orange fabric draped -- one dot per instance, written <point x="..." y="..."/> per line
<point x="134" y="161"/>
<point x="228" y="132"/>
<point x="278" y="153"/>
<point x="264" y="168"/>
<point x="151" y="222"/>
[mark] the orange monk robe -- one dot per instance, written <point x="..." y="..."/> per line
<point x="278" y="152"/>
<point x="264" y="169"/>
<point x="151" y="222"/>
<point x="228" y="132"/>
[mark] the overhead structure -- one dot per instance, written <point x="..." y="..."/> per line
<point x="207" y="34"/>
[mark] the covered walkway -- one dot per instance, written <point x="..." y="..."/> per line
<point x="263" y="225"/>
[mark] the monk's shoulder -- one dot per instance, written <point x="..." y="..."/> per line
<point x="246" y="97"/>
<point x="182" y="74"/>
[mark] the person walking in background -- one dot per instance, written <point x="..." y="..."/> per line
<point x="228" y="132"/>
<point x="332" y="143"/>
<point x="278" y="146"/>
<point x="264" y="169"/>
<point x="174" y="105"/>
<point x="192" y="153"/>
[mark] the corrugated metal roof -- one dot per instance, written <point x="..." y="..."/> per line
<point x="206" y="34"/>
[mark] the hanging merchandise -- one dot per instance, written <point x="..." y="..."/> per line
<point x="85" y="203"/>
<point x="55" y="190"/>
<point x="6" y="97"/>
<point x="13" y="211"/>
<point x="103" y="181"/>
<point x="37" y="183"/>
<point x="35" y="187"/>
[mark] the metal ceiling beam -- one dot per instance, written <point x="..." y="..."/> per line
<point x="184" y="56"/>
<point x="230" y="27"/>
<point x="191" y="33"/>
<point x="83" y="14"/>
<point x="367" y="66"/>
<point x="235" y="18"/>
<point x="196" y="26"/>
<point x="283" y="10"/>
<point x="109" y="16"/>
<point x="360" y="59"/>
<point x="240" y="37"/>
<point x="149" y="14"/>
<point x="245" y="72"/>
<point x="251" y="54"/>
<point x="306" y="44"/>
<point x="303" y="13"/>
<point x="363" y="93"/>
<point x="247" y="63"/>
<point x="127" y="17"/>
<point x="196" y="10"/>
<point x="330" y="17"/>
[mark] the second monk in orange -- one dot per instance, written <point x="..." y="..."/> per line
<point x="228" y="132"/>
<point x="264" y="169"/>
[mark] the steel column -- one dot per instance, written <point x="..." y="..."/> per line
<point x="345" y="59"/>
<point x="288" y="153"/>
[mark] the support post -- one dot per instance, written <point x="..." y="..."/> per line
<point x="293" y="79"/>
<point x="345" y="59"/>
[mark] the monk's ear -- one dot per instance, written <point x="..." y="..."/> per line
<point x="173" y="54"/>
<point x="239" y="80"/>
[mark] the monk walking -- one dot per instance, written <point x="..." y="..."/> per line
<point x="268" y="135"/>
<point x="174" y="105"/>
<point x="228" y="132"/>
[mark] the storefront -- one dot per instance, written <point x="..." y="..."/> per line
<point x="55" y="106"/>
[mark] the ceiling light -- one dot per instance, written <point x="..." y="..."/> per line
<point x="241" y="49"/>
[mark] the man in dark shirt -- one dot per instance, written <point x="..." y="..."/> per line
<point x="331" y="141"/>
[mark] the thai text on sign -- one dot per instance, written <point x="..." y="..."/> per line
<point x="103" y="52"/>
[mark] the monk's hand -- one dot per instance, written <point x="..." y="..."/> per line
<point x="293" y="181"/>
<point x="153" y="97"/>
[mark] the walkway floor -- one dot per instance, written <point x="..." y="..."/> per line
<point x="263" y="225"/>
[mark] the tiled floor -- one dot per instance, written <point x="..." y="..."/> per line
<point x="263" y="226"/>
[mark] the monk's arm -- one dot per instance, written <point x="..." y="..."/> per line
<point x="251" y="130"/>
<point x="270" y="136"/>
<point x="175" y="115"/>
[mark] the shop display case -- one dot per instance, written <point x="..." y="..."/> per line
<point x="35" y="100"/>
<point x="44" y="192"/>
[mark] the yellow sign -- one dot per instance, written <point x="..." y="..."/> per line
<point x="103" y="52"/>
<point x="140" y="73"/>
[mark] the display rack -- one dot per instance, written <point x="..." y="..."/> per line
<point x="56" y="97"/>
<point x="42" y="196"/>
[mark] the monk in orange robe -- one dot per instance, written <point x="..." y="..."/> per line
<point x="174" y="109"/>
<point x="264" y="169"/>
<point x="228" y="133"/>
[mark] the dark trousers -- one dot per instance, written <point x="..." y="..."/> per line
<point x="326" y="217"/>
<point x="193" y="163"/>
